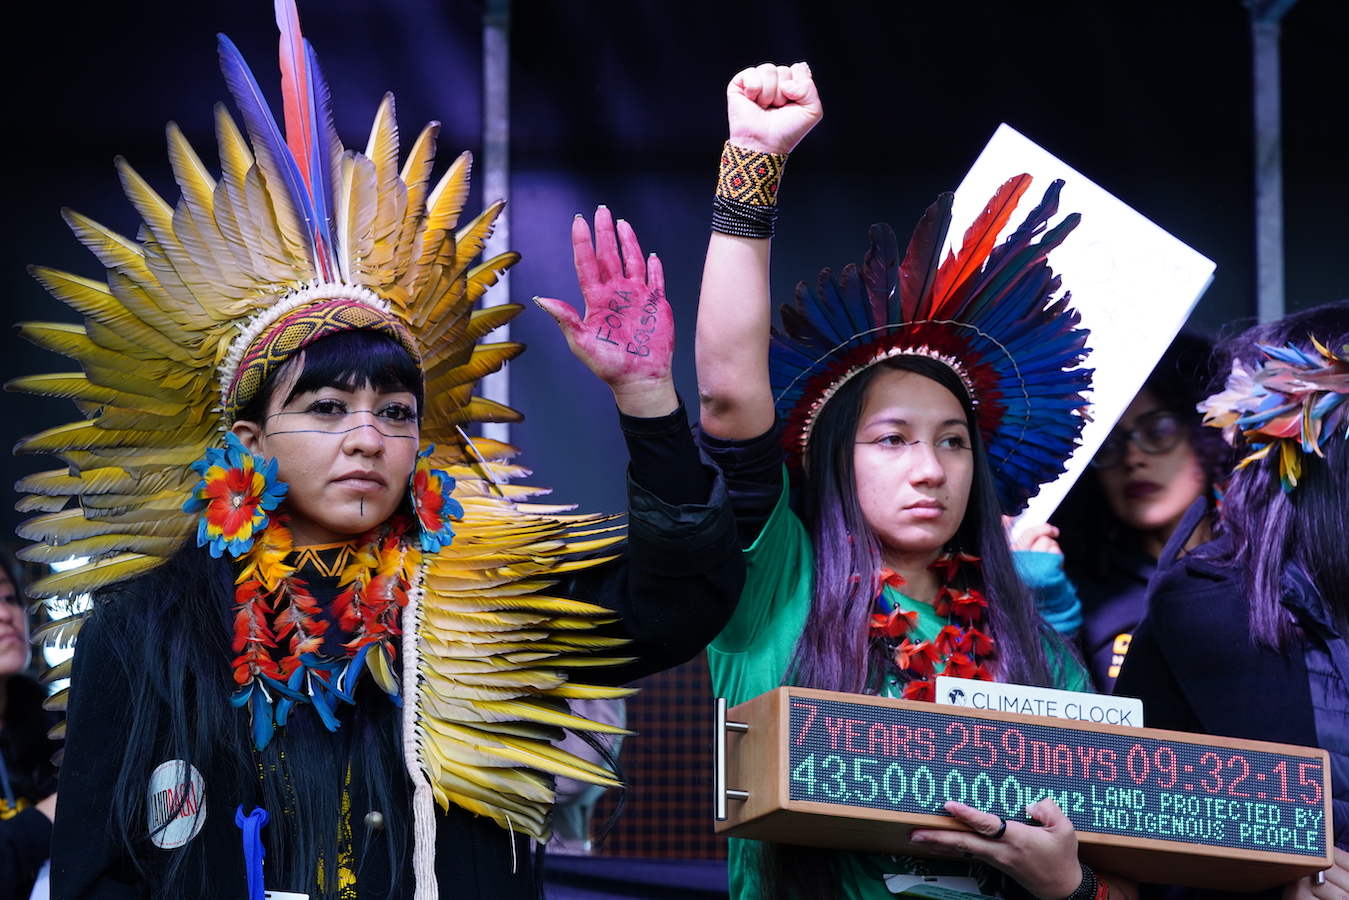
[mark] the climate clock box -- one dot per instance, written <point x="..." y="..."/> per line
<point x="847" y="771"/>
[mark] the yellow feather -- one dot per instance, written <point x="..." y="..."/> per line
<point x="193" y="179"/>
<point x="357" y="205"/>
<point x="491" y="780"/>
<point x="101" y="545"/>
<point x="486" y="359"/>
<point x="415" y="175"/>
<point x="391" y="194"/>
<point x="473" y="236"/>
<point x="111" y="248"/>
<point x="476" y="604"/>
<point x="57" y="672"/>
<point x="480" y="409"/>
<point x="514" y="710"/>
<point x="133" y="459"/>
<point x="505" y="795"/>
<point x="94" y="300"/>
<point x="92" y="576"/>
<point x="532" y="679"/>
<point x="279" y="241"/>
<point x="378" y="662"/>
<point x="87" y="436"/>
<point x="487" y="274"/>
<point x="60" y="633"/>
<point x="36" y="503"/>
<point x="156" y="213"/>
<point x="75" y="386"/>
<point x="71" y="525"/>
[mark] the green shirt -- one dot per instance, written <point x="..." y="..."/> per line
<point x="753" y="652"/>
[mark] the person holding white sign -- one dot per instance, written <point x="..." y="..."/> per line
<point x="918" y="401"/>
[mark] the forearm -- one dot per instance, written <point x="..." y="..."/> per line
<point x="664" y="459"/>
<point x="732" y="339"/>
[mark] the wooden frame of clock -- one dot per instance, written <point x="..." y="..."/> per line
<point x="828" y="769"/>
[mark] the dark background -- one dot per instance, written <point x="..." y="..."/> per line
<point x="623" y="103"/>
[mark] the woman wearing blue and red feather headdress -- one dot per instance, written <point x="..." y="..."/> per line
<point x="915" y="401"/>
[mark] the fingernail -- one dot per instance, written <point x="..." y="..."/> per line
<point x="624" y="221"/>
<point x="602" y="206"/>
<point x="580" y="215"/>
<point x="917" y="839"/>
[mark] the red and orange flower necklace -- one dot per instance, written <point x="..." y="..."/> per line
<point x="279" y="625"/>
<point x="959" y="649"/>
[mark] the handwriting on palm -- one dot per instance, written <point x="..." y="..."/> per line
<point x="627" y="332"/>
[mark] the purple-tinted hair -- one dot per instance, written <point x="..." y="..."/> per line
<point x="835" y="651"/>
<point x="1272" y="530"/>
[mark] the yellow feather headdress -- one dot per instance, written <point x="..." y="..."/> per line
<point x="292" y="222"/>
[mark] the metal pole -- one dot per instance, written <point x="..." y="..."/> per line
<point x="1269" y="279"/>
<point x="496" y="155"/>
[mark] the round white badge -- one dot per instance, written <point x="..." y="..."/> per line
<point x="176" y="805"/>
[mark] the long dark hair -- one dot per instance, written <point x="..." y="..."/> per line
<point x="834" y="651"/>
<point x="1090" y="533"/>
<point x="171" y="630"/>
<point x="1272" y="531"/>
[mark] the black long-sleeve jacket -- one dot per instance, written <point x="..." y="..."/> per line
<point x="674" y="588"/>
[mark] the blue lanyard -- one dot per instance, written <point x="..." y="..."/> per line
<point x="251" y="825"/>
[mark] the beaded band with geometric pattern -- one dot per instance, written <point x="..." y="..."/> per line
<point x="747" y="192"/>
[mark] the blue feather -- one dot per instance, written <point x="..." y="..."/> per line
<point x="269" y="147"/>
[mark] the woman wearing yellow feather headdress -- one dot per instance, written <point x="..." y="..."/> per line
<point x="322" y="611"/>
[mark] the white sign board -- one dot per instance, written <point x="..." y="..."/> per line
<point x="1038" y="701"/>
<point x="1133" y="283"/>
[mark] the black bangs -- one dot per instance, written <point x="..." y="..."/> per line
<point x="356" y="359"/>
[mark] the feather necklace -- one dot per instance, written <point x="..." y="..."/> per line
<point x="279" y="626"/>
<point x="959" y="649"/>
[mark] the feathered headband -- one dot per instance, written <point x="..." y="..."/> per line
<point x="986" y="311"/>
<point x="1291" y="401"/>
<point x="297" y="238"/>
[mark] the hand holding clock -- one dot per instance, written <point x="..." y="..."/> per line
<point x="1041" y="858"/>
<point x="1334" y="884"/>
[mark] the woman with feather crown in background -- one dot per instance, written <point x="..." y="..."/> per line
<point x="331" y="643"/>
<point x="903" y="392"/>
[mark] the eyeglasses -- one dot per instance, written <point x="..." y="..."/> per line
<point x="1156" y="432"/>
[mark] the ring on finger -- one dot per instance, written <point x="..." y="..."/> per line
<point x="1002" y="829"/>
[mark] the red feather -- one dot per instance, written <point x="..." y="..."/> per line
<point x="295" y="87"/>
<point x="979" y="240"/>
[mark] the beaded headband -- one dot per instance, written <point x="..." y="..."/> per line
<point x="295" y="322"/>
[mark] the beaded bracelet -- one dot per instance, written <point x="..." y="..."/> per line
<point x="746" y="201"/>
<point x="1090" y="886"/>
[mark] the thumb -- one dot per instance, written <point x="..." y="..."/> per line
<point x="1047" y="812"/>
<point x="566" y="317"/>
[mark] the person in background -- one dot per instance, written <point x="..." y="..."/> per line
<point x="1157" y="461"/>
<point x="27" y="774"/>
<point x="1244" y="634"/>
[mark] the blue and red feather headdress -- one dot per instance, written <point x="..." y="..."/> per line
<point x="987" y="311"/>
